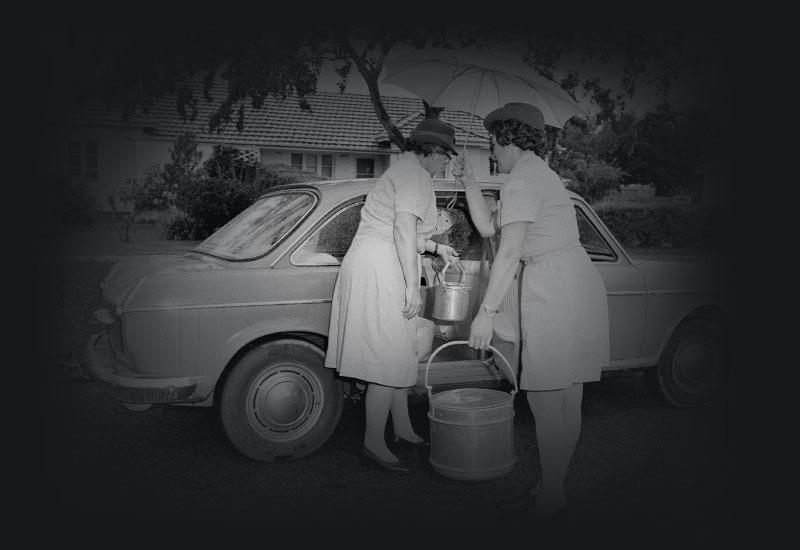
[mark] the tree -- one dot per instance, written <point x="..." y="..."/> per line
<point x="159" y="188"/>
<point x="132" y="67"/>
<point x="579" y="162"/>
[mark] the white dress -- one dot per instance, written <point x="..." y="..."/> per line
<point x="368" y="338"/>
<point x="563" y="304"/>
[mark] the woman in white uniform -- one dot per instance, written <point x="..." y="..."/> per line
<point x="372" y="335"/>
<point x="563" y="306"/>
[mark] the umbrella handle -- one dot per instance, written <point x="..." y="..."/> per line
<point x="475" y="96"/>
<point x="469" y="130"/>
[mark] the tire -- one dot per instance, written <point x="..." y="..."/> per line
<point x="280" y="401"/>
<point x="690" y="371"/>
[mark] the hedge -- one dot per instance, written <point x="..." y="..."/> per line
<point x="663" y="227"/>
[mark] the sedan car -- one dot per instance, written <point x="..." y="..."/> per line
<point x="240" y="322"/>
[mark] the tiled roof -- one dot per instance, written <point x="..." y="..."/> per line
<point x="336" y="121"/>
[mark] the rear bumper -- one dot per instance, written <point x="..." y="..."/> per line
<point x="127" y="386"/>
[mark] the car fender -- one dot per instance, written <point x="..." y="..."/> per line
<point x="659" y="331"/>
<point x="292" y="319"/>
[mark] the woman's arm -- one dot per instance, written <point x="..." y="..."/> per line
<point x="406" y="242"/>
<point x="446" y="252"/>
<point x="505" y="265"/>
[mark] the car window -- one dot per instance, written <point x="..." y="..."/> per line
<point x="591" y="240"/>
<point x="328" y="244"/>
<point x="257" y="229"/>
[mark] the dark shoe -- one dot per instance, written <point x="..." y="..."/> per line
<point x="416" y="444"/>
<point x="368" y="458"/>
<point x="519" y="503"/>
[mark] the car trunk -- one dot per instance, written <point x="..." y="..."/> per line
<point x="460" y="364"/>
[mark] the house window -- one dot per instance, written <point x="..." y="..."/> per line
<point x="297" y="161"/>
<point x="321" y="165"/>
<point x="326" y="166"/>
<point x="83" y="161"/>
<point x="493" y="169"/>
<point x="365" y="168"/>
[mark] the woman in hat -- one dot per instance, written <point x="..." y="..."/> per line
<point x="372" y="335"/>
<point x="563" y="307"/>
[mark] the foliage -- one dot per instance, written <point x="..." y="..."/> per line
<point x="663" y="227"/>
<point x="131" y="68"/>
<point x="664" y="147"/>
<point x="158" y="188"/>
<point x="76" y="205"/>
<point x="578" y="161"/>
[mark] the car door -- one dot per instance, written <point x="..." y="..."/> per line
<point x="625" y="288"/>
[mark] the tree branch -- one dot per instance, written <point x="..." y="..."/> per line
<point x="371" y="78"/>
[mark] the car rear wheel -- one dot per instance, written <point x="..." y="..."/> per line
<point x="280" y="401"/>
<point x="690" y="371"/>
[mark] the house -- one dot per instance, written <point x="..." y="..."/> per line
<point x="339" y="138"/>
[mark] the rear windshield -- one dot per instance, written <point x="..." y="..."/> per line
<point x="256" y="230"/>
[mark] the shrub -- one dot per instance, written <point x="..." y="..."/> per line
<point x="75" y="203"/>
<point x="663" y="227"/>
<point x="588" y="176"/>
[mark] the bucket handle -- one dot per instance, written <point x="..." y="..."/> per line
<point x="440" y="274"/>
<point x="453" y="343"/>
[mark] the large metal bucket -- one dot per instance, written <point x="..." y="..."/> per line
<point x="472" y="429"/>
<point x="450" y="299"/>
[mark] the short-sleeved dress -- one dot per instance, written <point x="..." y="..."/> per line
<point x="369" y="338"/>
<point x="563" y="304"/>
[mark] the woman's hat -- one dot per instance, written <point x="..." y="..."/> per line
<point x="431" y="130"/>
<point x="524" y="112"/>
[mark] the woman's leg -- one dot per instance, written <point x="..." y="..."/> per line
<point x="572" y="416"/>
<point x="401" y="422"/>
<point x="377" y="403"/>
<point x="554" y="446"/>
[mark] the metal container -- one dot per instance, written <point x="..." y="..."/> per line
<point x="472" y="429"/>
<point x="450" y="299"/>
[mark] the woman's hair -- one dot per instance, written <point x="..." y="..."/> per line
<point x="520" y="134"/>
<point x="423" y="148"/>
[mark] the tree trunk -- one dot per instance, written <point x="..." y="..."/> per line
<point x="371" y="78"/>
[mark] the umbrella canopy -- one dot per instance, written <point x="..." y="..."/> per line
<point x="477" y="82"/>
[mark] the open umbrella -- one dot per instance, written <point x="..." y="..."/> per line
<point x="477" y="81"/>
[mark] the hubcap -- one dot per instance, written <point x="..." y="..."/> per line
<point x="694" y="365"/>
<point x="284" y="403"/>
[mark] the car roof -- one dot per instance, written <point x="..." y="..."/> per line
<point x="352" y="187"/>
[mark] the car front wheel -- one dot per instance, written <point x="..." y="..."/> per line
<point x="690" y="371"/>
<point x="280" y="401"/>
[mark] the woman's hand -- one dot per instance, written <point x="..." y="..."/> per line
<point x="480" y="332"/>
<point x="413" y="302"/>
<point x="448" y="253"/>
<point x="462" y="171"/>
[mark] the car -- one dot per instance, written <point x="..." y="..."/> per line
<point x="240" y="322"/>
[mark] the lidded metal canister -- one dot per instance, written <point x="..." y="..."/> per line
<point x="471" y="429"/>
